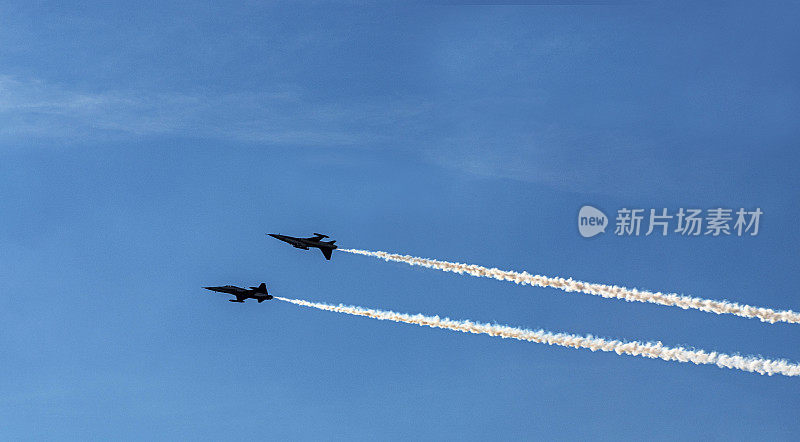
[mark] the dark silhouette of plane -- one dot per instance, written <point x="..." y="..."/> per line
<point x="258" y="293"/>
<point x="304" y="243"/>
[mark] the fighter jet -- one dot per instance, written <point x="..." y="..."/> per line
<point x="258" y="293"/>
<point x="304" y="243"/>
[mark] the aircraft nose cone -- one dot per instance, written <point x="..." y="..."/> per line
<point x="274" y="235"/>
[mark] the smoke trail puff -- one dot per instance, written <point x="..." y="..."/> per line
<point x="647" y="350"/>
<point x="606" y="291"/>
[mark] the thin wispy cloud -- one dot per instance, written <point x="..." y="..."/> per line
<point x="32" y="108"/>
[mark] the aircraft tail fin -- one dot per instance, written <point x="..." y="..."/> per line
<point x="260" y="289"/>
<point x="327" y="252"/>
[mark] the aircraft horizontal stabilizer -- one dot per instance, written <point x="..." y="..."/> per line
<point x="327" y="252"/>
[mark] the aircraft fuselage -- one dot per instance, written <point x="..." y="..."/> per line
<point x="258" y="293"/>
<point x="304" y="243"/>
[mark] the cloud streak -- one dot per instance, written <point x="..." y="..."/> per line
<point x="646" y="350"/>
<point x="283" y="115"/>
<point x="606" y="291"/>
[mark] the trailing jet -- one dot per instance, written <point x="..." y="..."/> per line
<point x="304" y="243"/>
<point x="258" y="293"/>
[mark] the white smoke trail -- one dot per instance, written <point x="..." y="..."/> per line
<point x="648" y="350"/>
<point x="606" y="291"/>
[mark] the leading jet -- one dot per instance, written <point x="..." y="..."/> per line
<point x="304" y="243"/>
<point x="258" y="293"/>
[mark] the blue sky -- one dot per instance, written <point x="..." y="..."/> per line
<point x="147" y="149"/>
